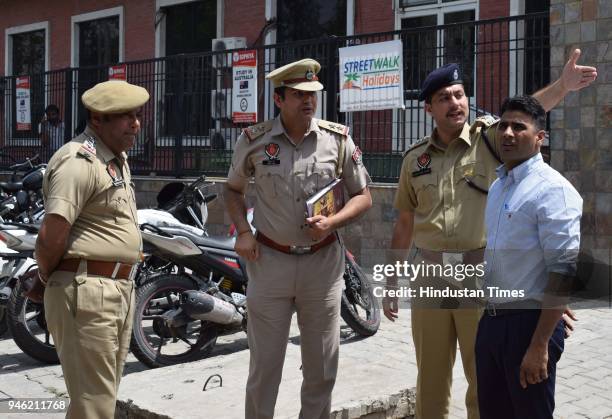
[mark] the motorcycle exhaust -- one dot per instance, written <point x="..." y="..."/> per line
<point x="202" y="306"/>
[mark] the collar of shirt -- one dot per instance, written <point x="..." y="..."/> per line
<point x="102" y="150"/>
<point x="279" y="129"/>
<point x="464" y="135"/>
<point x="521" y="171"/>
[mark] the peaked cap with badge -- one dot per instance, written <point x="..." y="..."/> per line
<point x="114" y="96"/>
<point x="300" y="75"/>
<point x="444" y="76"/>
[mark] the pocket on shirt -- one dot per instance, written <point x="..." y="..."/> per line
<point x="426" y="189"/>
<point x="318" y="176"/>
<point x="118" y="204"/>
<point x="271" y="180"/>
<point x="473" y="172"/>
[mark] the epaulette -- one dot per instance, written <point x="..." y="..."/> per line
<point x="333" y="127"/>
<point x="255" y="131"/>
<point x="416" y="145"/>
<point x="88" y="149"/>
<point x="484" y="121"/>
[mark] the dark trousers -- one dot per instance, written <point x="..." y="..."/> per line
<point x="501" y="343"/>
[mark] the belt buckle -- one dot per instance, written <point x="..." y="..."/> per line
<point x="452" y="258"/>
<point x="490" y="309"/>
<point x="299" y="250"/>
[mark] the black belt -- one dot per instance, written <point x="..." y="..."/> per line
<point x="518" y="307"/>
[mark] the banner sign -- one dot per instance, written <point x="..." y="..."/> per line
<point x="371" y="77"/>
<point x="117" y="72"/>
<point x="244" y="91"/>
<point x="23" y="110"/>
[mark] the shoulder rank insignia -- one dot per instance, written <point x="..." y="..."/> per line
<point x="255" y="131"/>
<point x="423" y="142"/>
<point x="483" y="121"/>
<point x="88" y="148"/>
<point x="333" y="127"/>
<point x="356" y="156"/>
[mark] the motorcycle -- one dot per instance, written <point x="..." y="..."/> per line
<point x="181" y="312"/>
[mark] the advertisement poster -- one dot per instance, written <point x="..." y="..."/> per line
<point x="244" y="91"/>
<point x="371" y="77"/>
<point x="117" y="72"/>
<point x="23" y="110"/>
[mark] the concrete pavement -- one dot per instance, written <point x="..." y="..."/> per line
<point x="376" y="377"/>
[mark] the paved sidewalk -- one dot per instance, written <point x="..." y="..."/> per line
<point x="375" y="375"/>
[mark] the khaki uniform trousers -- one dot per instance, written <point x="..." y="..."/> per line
<point x="280" y="284"/>
<point x="90" y="319"/>
<point x="436" y="332"/>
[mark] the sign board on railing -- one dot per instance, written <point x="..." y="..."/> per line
<point x="23" y="110"/>
<point x="117" y="72"/>
<point x="244" y="91"/>
<point x="371" y="77"/>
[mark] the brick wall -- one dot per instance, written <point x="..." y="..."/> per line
<point x="581" y="127"/>
<point x="244" y="18"/>
<point x="139" y="17"/>
<point x="374" y="16"/>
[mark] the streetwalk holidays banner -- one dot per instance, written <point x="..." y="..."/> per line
<point x="244" y="100"/>
<point x="371" y="77"/>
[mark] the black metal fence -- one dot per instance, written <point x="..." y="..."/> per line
<point x="187" y="128"/>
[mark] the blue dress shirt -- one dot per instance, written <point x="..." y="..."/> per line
<point x="533" y="228"/>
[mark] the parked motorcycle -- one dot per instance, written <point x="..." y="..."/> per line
<point x="181" y="312"/>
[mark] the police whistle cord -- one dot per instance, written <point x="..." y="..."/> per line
<point x="210" y="378"/>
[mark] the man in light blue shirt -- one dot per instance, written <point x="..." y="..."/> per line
<point x="533" y="237"/>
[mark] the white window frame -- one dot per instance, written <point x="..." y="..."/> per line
<point x="8" y="71"/>
<point x="160" y="51"/>
<point x="160" y="29"/>
<point x="16" y="30"/>
<point x="87" y="17"/>
<point x="270" y="39"/>
<point x="438" y="9"/>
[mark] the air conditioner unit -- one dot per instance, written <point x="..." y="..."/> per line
<point x="224" y="44"/>
<point x="221" y="104"/>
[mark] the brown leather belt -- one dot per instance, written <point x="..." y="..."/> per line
<point x="470" y="257"/>
<point x="295" y="250"/>
<point x="112" y="270"/>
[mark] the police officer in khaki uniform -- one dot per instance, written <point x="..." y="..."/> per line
<point x="294" y="263"/>
<point x="87" y="246"/>
<point x="441" y="200"/>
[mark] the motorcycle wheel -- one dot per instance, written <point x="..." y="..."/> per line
<point x="3" y="321"/>
<point x="359" y="308"/>
<point x="26" y="321"/>
<point x="154" y="343"/>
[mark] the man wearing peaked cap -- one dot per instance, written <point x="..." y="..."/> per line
<point x="294" y="262"/>
<point x="87" y="246"/>
<point x="441" y="200"/>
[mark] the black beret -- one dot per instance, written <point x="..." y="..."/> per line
<point x="441" y="77"/>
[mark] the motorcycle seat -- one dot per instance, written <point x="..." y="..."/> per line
<point x="11" y="186"/>
<point x="217" y="242"/>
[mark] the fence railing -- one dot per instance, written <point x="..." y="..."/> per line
<point x="186" y="126"/>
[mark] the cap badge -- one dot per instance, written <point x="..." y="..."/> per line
<point x="310" y="75"/>
<point x="455" y="75"/>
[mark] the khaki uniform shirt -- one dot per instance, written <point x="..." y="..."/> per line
<point x="448" y="212"/>
<point x="91" y="188"/>
<point x="283" y="183"/>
